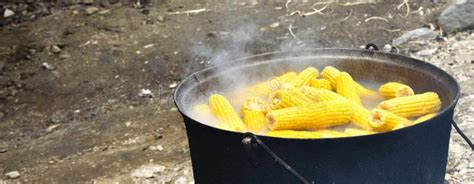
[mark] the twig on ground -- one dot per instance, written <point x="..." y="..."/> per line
<point x="392" y="30"/>
<point x="290" y="29"/>
<point x="405" y="3"/>
<point x="318" y="11"/>
<point x="190" y="11"/>
<point x="347" y="17"/>
<point x="287" y="4"/>
<point x="375" y="18"/>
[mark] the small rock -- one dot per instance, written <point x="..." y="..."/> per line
<point x="275" y="24"/>
<point x="458" y="16"/>
<point x="87" y="2"/>
<point x="465" y="44"/>
<point x="154" y="148"/>
<point x="55" y="49"/>
<point x="387" y="48"/>
<point x="103" y="12"/>
<point x="146" y="11"/>
<point x="471" y="165"/>
<point x="91" y="10"/>
<point x="47" y="66"/>
<point x="462" y="172"/>
<point x="148" y="171"/>
<point x="160" y="18"/>
<point x="3" y="150"/>
<point x="463" y="164"/>
<point x="417" y="34"/>
<point x="52" y="128"/>
<point x="146" y="93"/>
<point x="58" y="117"/>
<point x="180" y="180"/>
<point x="8" y="13"/>
<point x="173" y="109"/>
<point x="13" y="174"/>
<point x="173" y="85"/>
<point x="64" y="56"/>
<point x="447" y="177"/>
<point x="427" y="52"/>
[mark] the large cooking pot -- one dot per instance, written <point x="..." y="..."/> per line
<point x="417" y="154"/>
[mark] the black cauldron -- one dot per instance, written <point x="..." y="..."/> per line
<point x="416" y="154"/>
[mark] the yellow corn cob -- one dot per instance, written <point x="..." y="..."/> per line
<point x="305" y="134"/>
<point x="360" y="117"/>
<point x="330" y="133"/>
<point x="345" y="86"/>
<point x="320" y="83"/>
<point x="254" y="120"/>
<point x="254" y="104"/>
<point x="382" y="120"/>
<point x="394" y="89"/>
<point x="425" y="118"/>
<point x="294" y="134"/>
<point x="304" y="77"/>
<point x="282" y="99"/>
<point x="320" y="95"/>
<point x="357" y="132"/>
<point x="330" y="73"/>
<point x="313" y="116"/>
<point x="224" y="112"/>
<point x="224" y="126"/>
<point x="264" y="88"/>
<point x="411" y="106"/>
<point x="202" y="110"/>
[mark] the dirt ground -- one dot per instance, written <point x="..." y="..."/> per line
<point x="70" y="109"/>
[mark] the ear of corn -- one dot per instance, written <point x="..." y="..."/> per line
<point x="330" y="73"/>
<point x="305" y="134"/>
<point x="360" y="117"/>
<point x="225" y="113"/>
<point x="425" y="118"/>
<point x="320" y="83"/>
<point x="294" y="134"/>
<point x="224" y="126"/>
<point x="313" y="116"/>
<point x="357" y="132"/>
<point x="202" y="110"/>
<point x="345" y="86"/>
<point x="304" y="77"/>
<point x="254" y="104"/>
<point x="254" y="109"/>
<point x="282" y="99"/>
<point x="325" y="133"/>
<point x="254" y="120"/>
<point x="394" y="89"/>
<point x="412" y="106"/>
<point x="320" y="95"/>
<point x="382" y="120"/>
<point x="264" y="88"/>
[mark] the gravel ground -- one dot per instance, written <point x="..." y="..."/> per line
<point x="456" y="56"/>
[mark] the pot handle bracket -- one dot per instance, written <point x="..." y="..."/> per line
<point x="461" y="133"/>
<point x="250" y="138"/>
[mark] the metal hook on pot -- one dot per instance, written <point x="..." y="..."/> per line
<point x="249" y="138"/>
<point x="371" y="46"/>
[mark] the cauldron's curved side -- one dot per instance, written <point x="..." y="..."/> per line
<point x="417" y="154"/>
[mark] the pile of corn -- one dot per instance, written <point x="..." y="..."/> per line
<point x="308" y="105"/>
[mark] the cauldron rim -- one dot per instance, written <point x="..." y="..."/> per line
<point x="443" y="112"/>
